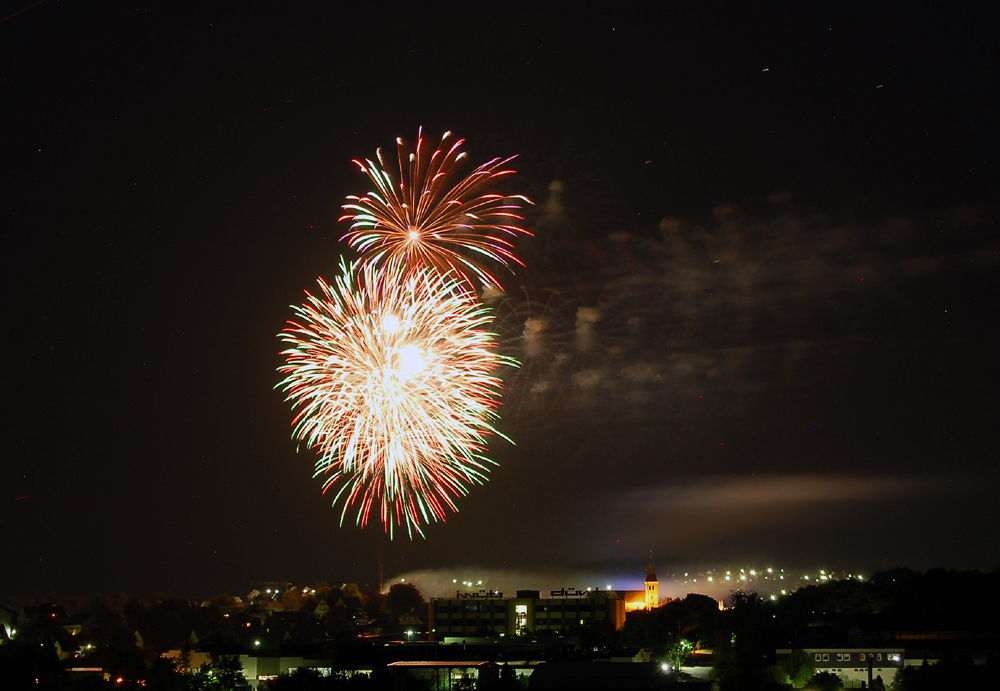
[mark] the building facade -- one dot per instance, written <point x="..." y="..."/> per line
<point x="488" y="613"/>
<point x="491" y="614"/>
<point x="855" y="665"/>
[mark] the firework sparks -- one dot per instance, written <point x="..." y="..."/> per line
<point x="392" y="377"/>
<point x="433" y="217"/>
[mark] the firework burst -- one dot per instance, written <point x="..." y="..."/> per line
<point x="434" y="217"/>
<point x="392" y="377"/>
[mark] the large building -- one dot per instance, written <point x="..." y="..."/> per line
<point x="488" y="613"/>
<point x="492" y="614"/>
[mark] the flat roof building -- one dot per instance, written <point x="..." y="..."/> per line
<point x="492" y="614"/>
<point x="854" y="665"/>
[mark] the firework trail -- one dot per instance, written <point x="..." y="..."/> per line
<point x="434" y="217"/>
<point x="392" y="377"/>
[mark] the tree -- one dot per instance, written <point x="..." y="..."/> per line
<point x="351" y="595"/>
<point x="648" y="630"/>
<point x="405" y="598"/>
<point x="223" y="601"/>
<point x="697" y="616"/>
<point x="677" y="652"/>
<point x="744" y="651"/>
<point x="105" y="626"/>
<point x="949" y="673"/>
<point x="221" y="673"/>
<point x="374" y="603"/>
<point x="291" y="600"/>
<point x="508" y="678"/>
<point x="26" y="665"/>
<point x="166" y="674"/>
<point x="599" y="635"/>
<point x="825" y="681"/>
<point x="800" y="668"/>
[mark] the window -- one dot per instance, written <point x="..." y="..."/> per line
<point x="847" y="656"/>
<point x="818" y="657"/>
<point x="826" y="657"/>
<point x="840" y="656"/>
<point x="862" y="657"/>
<point x="880" y="656"/>
<point x="520" y="619"/>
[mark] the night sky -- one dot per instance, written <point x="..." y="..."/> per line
<point x="757" y="321"/>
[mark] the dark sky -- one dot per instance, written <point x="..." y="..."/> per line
<point x="757" y="321"/>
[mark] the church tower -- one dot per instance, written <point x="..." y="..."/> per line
<point x="652" y="586"/>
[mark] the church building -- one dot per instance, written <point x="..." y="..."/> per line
<point x="652" y="586"/>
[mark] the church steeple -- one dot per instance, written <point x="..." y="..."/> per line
<point x="652" y="585"/>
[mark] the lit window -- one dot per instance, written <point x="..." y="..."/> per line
<point x="862" y="657"/>
<point x="840" y="657"/>
<point x="520" y="619"/>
